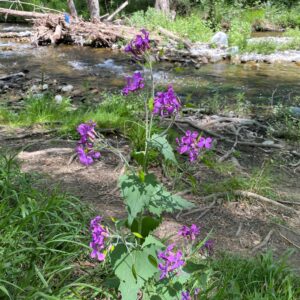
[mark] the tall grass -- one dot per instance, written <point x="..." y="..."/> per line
<point x="261" y="278"/>
<point x="43" y="240"/>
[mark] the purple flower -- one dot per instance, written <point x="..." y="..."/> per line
<point x="86" y="155"/>
<point x="186" y="296"/>
<point x="189" y="232"/>
<point x="189" y="144"/>
<point x="87" y="131"/>
<point x="139" y="45"/>
<point x="84" y="148"/>
<point x="134" y="83"/>
<point x="208" y="247"/>
<point x="166" y="103"/>
<point x="171" y="261"/>
<point x="99" y="234"/>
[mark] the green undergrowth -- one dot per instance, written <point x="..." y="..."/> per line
<point x="113" y="112"/>
<point x="43" y="240"/>
<point x="261" y="278"/>
<point x="45" y="255"/>
<point x="192" y="27"/>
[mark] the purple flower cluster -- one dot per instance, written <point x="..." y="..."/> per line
<point x="208" y="247"/>
<point x="166" y="103"/>
<point x="134" y="83"/>
<point x="191" y="144"/>
<point x="171" y="261"/>
<point x="84" y="148"/>
<point x="189" y="232"/>
<point x="187" y="296"/>
<point x="99" y="233"/>
<point x="139" y="45"/>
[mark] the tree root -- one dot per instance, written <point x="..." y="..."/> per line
<point x="264" y="242"/>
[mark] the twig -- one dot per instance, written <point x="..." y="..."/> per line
<point x="199" y="209"/>
<point x="288" y="202"/>
<point x="264" y="242"/>
<point x="72" y="158"/>
<point x="263" y="199"/>
<point x="288" y="240"/>
<point x="117" y="11"/>
<point x="239" y="229"/>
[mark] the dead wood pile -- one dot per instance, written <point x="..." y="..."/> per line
<point x="52" y="28"/>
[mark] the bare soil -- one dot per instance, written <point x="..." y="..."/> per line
<point x="237" y="226"/>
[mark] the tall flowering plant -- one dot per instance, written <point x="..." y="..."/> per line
<point x="137" y="257"/>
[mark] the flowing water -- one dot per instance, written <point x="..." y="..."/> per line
<point x="106" y="69"/>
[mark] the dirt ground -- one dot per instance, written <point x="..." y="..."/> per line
<point x="240" y="226"/>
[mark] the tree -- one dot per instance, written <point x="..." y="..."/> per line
<point x="163" y="6"/>
<point x="94" y="9"/>
<point x="72" y="8"/>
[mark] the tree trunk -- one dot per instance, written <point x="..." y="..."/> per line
<point x="72" y="8"/>
<point x="94" y="9"/>
<point x="163" y="6"/>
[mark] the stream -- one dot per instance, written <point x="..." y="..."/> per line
<point x="105" y="69"/>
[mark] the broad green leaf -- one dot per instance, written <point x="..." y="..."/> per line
<point x="151" y="104"/>
<point x="148" y="225"/>
<point x="151" y="240"/>
<point x="136" y="193"/>
<point x="133" y="269"/>
<point x="161" y="143"/>
<point x="191" y="267"/>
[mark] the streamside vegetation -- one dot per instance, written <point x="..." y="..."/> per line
<point x="68" y="250"/>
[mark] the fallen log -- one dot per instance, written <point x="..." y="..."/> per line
<point x="15" y="34"/>
<point x="12" y="76"/>
<point x="24" y="14"/>
<point x="171" y="35"/>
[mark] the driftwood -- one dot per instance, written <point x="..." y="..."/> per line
<point x="15" y="34"/>
<point x="52" y="28"/>
<point x="171" y="35"/>
<point x="12" y="76"/>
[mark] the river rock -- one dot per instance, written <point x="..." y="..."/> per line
<point x="220" y="39"/>
<point x="67" y="88"/>
<point x="45" y="87"/>
<point x="295" y="111"/>
<point x="58" y="99"/>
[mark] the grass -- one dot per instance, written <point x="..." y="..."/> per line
<point x="192" y="27"/>
<point x="43" y="238"/>
<point x="261" y="278"/>
<point x="113" y="112"/>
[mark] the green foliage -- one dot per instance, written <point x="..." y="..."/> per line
<point x="240" y="32"/>
<point x="261" y="277"/>
<point x="135" y="268"/>
<point x="161" y="143"/>
<point x="147" y="194"/>
<point x="42" y="236"/>
<point x="192" y="27"/>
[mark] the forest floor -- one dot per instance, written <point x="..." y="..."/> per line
<point x="237" y="225"/>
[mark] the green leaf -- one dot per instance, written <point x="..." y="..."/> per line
<point x="151" y="240"/>
<point x="191" y="267"/>
<point x="149" y="195"/>
<point x="148" y="225"/>
<point x="138" y="235"/>
<point x="151" y="104"/>
<point x="133" y="269"/>
<point x="161" y="143"/>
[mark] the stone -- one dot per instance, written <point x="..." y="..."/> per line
<point x="58" y="99"/>
<point x="45" y="87"/>
<point x="67" y="88"/>
<point x="295" y="111"/>
<point x="220" y="39"/>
